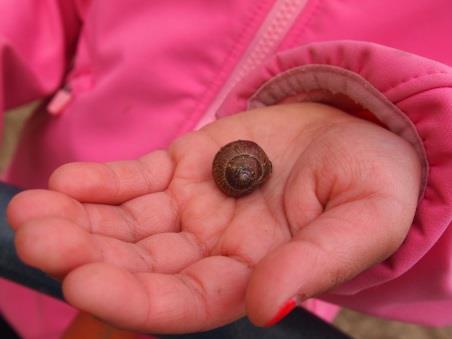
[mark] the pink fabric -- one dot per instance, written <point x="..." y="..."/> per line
<point x="145" y="72"/>
<point x="34" y="315"/>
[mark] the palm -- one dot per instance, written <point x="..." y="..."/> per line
<point x="176" y="249"/>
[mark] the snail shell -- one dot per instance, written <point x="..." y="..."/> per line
<point x="240" y="167"/>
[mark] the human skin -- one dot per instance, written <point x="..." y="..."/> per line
<point x="152" y="244"/>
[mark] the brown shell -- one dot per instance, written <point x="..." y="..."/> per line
<point x="240" y="167"/>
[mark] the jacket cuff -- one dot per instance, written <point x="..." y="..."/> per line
<point x="411" y="96"/>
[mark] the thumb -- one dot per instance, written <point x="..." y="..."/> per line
<point x="335" y="247"/>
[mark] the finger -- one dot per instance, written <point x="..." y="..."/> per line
<point x="207" y="294"/>
<point x="332" y="249"/>
<point x="132" y="221"/>
<point x="57" y="246"/>
<point x="114" y="182"/>
<point x="36" y="204"/>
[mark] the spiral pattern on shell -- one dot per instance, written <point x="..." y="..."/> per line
<point x="240" y="167"/>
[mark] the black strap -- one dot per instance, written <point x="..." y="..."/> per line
<point x="299" y="324"/>
<point x="11" y="267"/>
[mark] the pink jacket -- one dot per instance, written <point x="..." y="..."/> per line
<point x="128" y="77"/>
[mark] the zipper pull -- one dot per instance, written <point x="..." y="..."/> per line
<point x="60" y="101"/>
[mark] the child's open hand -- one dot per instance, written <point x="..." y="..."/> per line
<point x="153" y="245"/>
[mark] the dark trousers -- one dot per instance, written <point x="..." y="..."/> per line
<point x="11" y="267"/>
<point x="299" y="324"/>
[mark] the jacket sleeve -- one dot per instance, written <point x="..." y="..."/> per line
<point x="37" y="40"/>
<point x="411" y="96"/>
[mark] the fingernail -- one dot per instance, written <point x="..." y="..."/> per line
<point x="282" y="312"/>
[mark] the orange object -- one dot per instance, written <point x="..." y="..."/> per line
<point x="86" y="326"/>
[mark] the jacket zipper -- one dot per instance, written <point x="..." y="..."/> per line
<point x="274" y="28"/>
<point x="75" y="82"/>
<point x="60" y="100"/>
